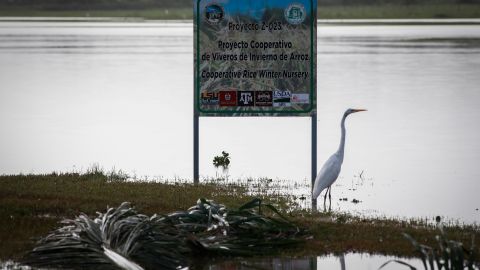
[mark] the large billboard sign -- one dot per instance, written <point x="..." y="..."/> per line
<point x="255" y="57"/>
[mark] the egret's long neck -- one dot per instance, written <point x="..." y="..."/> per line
<point x="341" y="148"/>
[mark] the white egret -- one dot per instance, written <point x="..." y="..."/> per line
<point x="331" y="169"/>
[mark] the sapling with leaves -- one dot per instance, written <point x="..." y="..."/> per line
<point x="222" y="161"/>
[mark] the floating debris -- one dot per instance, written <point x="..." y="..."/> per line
<point x="355" y="201"/>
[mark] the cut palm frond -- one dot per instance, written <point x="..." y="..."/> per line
<point x="123" y="238"/>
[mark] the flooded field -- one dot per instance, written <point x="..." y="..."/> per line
<point x="120" y="95"/>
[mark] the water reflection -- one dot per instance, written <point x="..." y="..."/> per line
<point x="348" y="261"/>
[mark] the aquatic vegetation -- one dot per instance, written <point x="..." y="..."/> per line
<point x="122" y="237"/>
<point x="222" y="161"/>
<point x="449" y="255"/>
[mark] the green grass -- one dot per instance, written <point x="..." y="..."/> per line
<point x="31" y="206"/>
<point x="424" y="11"/>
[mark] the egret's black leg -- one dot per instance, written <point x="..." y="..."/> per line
<point x="330" y="198"/>
<point x="325" y="201"/>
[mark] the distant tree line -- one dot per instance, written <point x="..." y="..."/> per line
<point x="147" y="4"/>
<point x="392" y="2"/>
<point x="96" y="4"/>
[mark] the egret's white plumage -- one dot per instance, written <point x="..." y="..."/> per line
<point x="331" y="169"/>
<point x="327" y="175"/>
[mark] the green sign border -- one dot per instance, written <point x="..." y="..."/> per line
<point x="259" y="113"/>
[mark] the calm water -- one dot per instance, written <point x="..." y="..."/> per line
<point x="341" y="262"/>
<point x="120" y="95"/>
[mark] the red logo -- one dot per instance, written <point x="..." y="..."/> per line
<point x="228" y="98"/>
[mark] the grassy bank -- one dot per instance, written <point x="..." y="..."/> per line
<point x="33" y="204"/>
<point x="418" y="11"/>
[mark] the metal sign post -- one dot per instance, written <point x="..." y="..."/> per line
<point x="196" y="150"/>
<point x="314" y="155"/>
<point x="255" y="58"/>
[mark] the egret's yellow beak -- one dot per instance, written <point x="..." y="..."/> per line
<point x="359" y="110"/>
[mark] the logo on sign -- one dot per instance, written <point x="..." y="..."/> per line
<point x="214" y="14"/>
<point x="295" y="13"/>
<point x="245" y="98"/>
<point x="301" y="98"/>
<point x="263" y="98"/>
<point x="227" y="98"/>
<point x="209" y="98"/>
<point x="282" y="98"/>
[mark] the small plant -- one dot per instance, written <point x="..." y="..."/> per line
<point x="449" y="255"/>
<point x="222" y="161"/>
